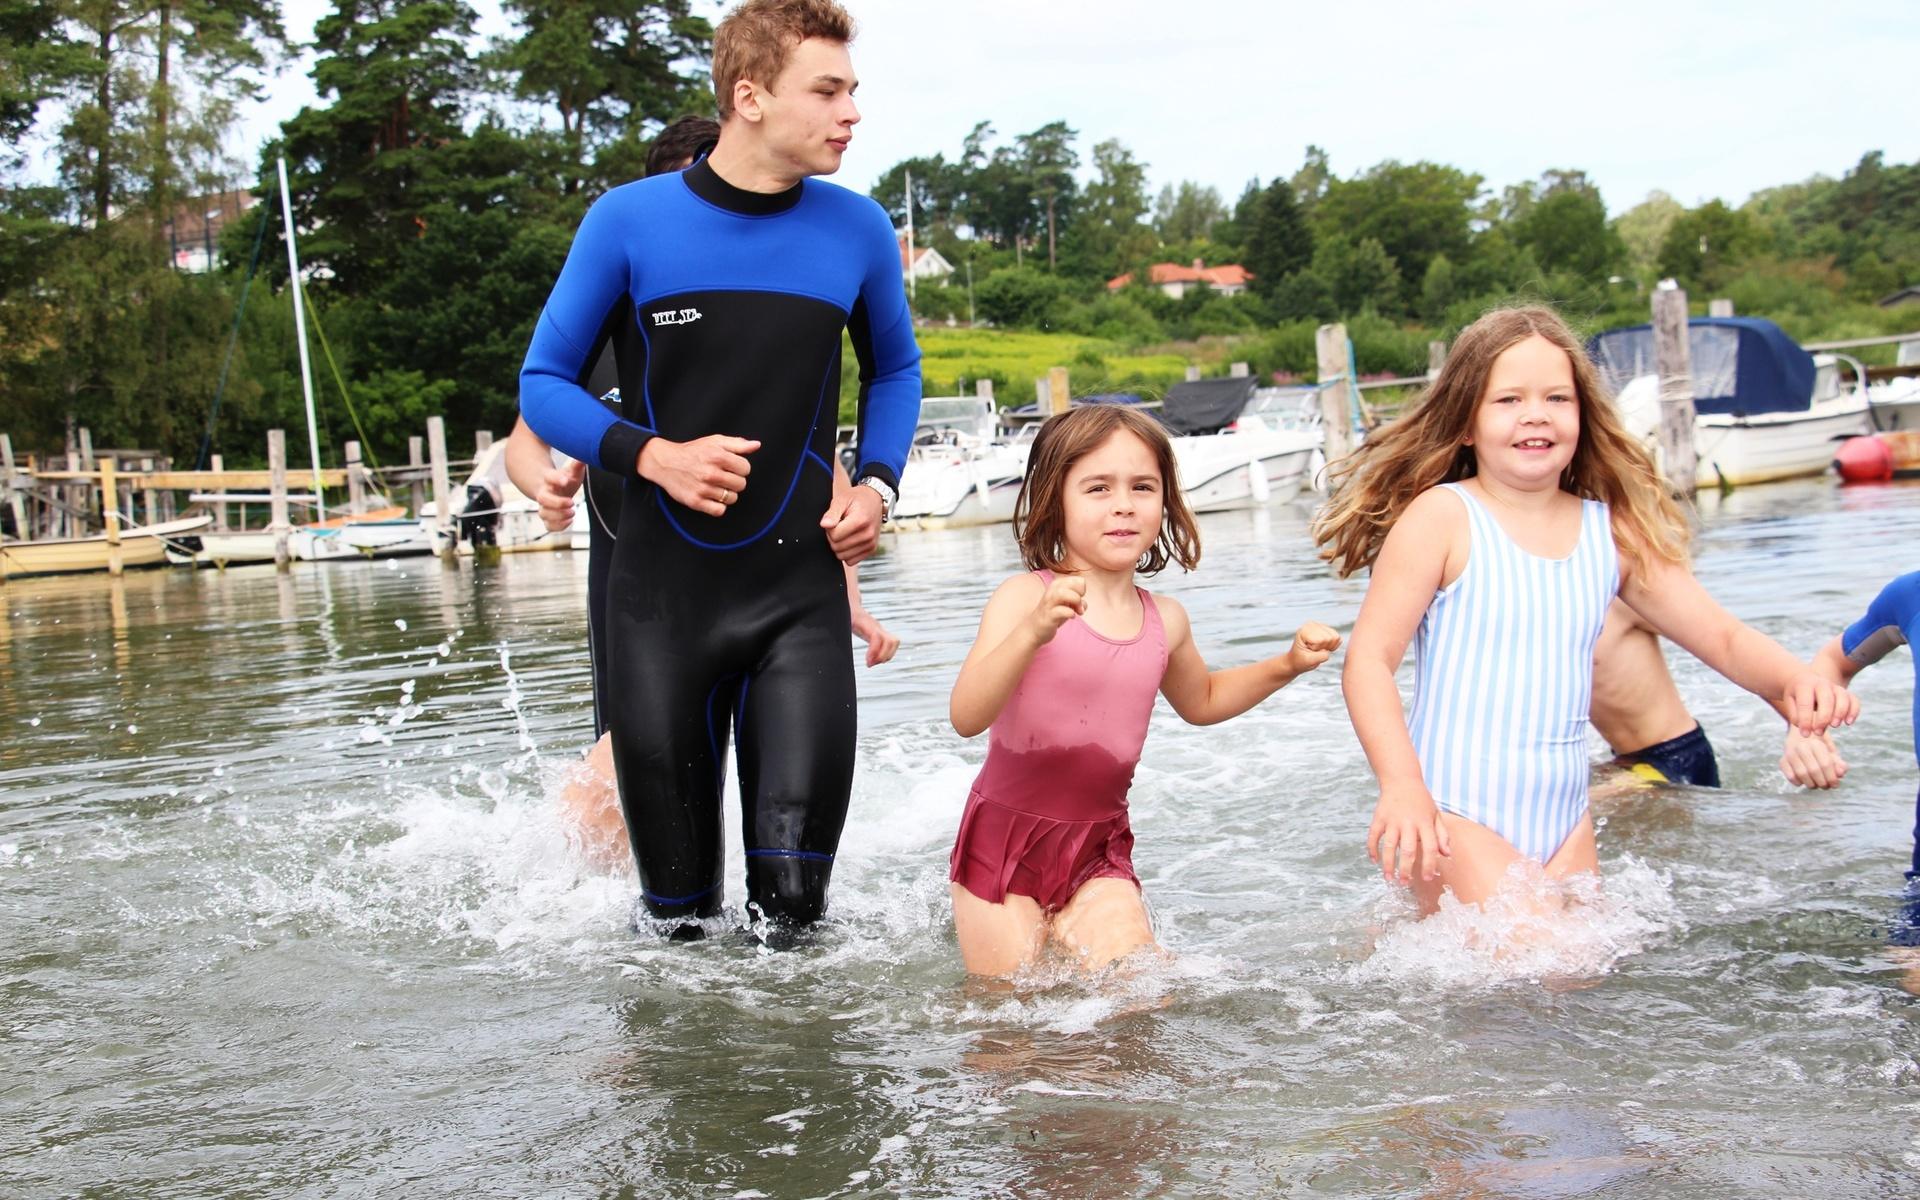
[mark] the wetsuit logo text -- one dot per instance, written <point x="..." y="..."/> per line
<point x="676" y="316"/>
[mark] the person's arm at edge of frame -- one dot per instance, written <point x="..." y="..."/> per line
<point x="531" y="468"/>
<point x="881" y="329"/>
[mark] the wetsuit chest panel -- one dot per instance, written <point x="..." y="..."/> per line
<point x="753" y="364"/>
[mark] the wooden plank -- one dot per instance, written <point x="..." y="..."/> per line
<point x="204" y="481"/>
<point x="1059" y="393"/>
<point x="416" y="477"/>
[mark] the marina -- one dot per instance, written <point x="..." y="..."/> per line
<point x="290" y="911"/>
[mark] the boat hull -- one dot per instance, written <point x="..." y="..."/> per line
<point x="143" y="547"/>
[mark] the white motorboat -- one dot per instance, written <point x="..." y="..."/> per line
<point x="1895" y="404"/>
<point x="380" y="533"/>
<point x="960" y="471"/>
<point x="1765" y="408"/>
<point x="1235" y="451"/>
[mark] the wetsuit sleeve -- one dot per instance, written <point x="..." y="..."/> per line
<point x="881" y="328"/>
<point x="589" y="295"/>
<point x="1893" y="612"/>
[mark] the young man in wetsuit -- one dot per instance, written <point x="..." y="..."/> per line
<point x="725" y="290"/>
<point x="590" y="799"/>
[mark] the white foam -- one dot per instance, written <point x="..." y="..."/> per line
<point x="1532" y="929"/>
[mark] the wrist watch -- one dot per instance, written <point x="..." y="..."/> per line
<point x="887" y="494"/>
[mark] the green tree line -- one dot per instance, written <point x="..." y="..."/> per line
<point x="438" y="178"/>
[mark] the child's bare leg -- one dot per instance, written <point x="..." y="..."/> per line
<point x="1578" y="855"/>
<point x="1105" y="921"/>
<point x="590" y="805"/>
<point x="1481" y="859"/>
<point x="997" y="939"/>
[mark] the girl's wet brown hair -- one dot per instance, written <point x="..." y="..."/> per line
<point x="1426" y="446"/>
<point x="1039" y="515"/>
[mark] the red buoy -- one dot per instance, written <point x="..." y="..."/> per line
<point x="1864" y="460"/>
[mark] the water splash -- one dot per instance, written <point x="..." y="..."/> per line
<point x="1532" y="929"/>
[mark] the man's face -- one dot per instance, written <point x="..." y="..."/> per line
<point x="807" y="116"/>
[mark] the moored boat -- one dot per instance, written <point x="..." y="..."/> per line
<point x="140" y="546"/>
<point x="1764" y="408"/>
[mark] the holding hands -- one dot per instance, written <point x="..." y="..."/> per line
<point x="1815" y="703"/>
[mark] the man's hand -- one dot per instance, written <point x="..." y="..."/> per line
<point x="706" y="475"/>
<point x="555" y="495"/>
<point x="880" y="643"/>
<point x="852" y="523"/>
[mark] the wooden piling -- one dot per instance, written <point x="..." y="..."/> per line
<point x="1436" y="358"/>
<point x="442" y="485"/>
<point x="1193" y="372"/>
<point x="1239" y="370"/>
<point x="416" y="491"/>
<point x="277" y="464"/>
<point x="1673" y="360"/>
<point x="110" y="515"/>
<point x="219" y="463"/>
<point x="983" y="388"/>
<point x="1720" y="307"/>
<point x="482" y="442"/>
<point x="356" y="489"/>
<point x="1336" y="423"/>
<point x="12" y="489"/>
<point x="1059" y="394"/>
<point x="149" y="499"/>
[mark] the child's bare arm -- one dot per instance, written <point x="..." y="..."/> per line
<point x="1411" y="568"/>
<point x="1672" y="601"/>
<point x="1204" y="697"/>
<point x="1022" y="616"/>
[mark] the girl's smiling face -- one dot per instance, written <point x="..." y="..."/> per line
<point x="1527" y="425"/>
<point x="1113" y="501"/>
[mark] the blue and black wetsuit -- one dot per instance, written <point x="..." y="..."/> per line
<point x="725" y="309"/>
<point x="1891" y="621"/>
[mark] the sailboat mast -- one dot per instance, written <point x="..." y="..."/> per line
<point x="300" y="326"/>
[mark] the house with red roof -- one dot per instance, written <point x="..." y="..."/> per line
<point x="1176" y="280"/>
<point x="927" y="264"/>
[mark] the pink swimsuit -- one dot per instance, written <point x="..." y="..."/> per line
<point x="1049" y="809"/>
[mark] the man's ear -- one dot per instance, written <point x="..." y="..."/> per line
<point x="746" y="100"/>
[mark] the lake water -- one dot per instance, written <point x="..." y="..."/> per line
<point x="286" y="910"/>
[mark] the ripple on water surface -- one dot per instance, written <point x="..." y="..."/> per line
<point x="288" y="909"/>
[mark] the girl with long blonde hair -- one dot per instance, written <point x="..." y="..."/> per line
<point x="1499" y="516"/>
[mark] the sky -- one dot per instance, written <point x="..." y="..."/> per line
<point x="1697" y="98"/>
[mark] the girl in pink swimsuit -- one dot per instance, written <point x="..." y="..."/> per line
<point x="1064" y="671"/>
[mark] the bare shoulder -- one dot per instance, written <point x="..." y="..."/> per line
<point x="1173" y="614"/>
<point x="1433" y="510"/>
<point x="1018" y="591"/>
<point x="1431" y="535"/>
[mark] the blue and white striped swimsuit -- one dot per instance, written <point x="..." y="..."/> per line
<point x="1503" y="674"/>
